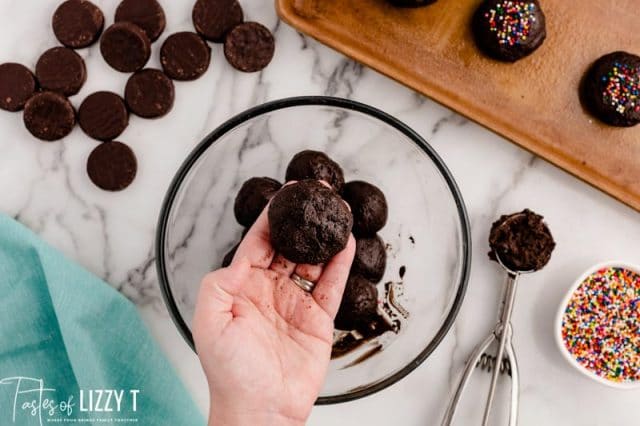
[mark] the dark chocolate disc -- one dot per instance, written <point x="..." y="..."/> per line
<point x="253" y="197"/>
<point x="308" y="222"/>
<point x="249" y="47"/>
<point x="146" y="14"/>
<point x="508" y="30"/>
<point x="49" y="116"/>
<point x="125" y="47"/>
<point x="77" y="23"/>
<point x="149" y="93"/>
<point x="112" y="166"/>
<point x="61" y="70"/>
<point x="17" y="85"/>
<point x="185" y="56"/>
<point x="611" y="89"/>
<point x="370" y="259"/>
<point x="103" y="115"/>
<point x="310" y="164"/>
<point x="368" y="205"/>
<point x="213" y="19"/>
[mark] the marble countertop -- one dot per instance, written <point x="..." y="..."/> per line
<point x="44" y="186"/>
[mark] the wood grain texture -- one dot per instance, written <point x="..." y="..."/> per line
<point x="533" y="102"/>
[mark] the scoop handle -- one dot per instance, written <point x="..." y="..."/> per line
<point x="502" y="329"/>
<point x="464" y="379"/>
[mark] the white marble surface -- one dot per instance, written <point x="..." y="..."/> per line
<point x="44" y="186"/>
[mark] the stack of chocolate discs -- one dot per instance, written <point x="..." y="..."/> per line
<point x="126" y="47"/>
<point x="369" y="211"/>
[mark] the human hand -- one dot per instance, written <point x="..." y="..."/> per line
<point x="264" y="343"/>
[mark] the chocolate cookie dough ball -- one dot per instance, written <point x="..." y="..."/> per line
<point x="253" y="197"/>
<point x="359" y="306"/>
<point x="368" y="205"/>
<point x="309" y="222"/>
<point x="508" y="30"/>
<point x="411" y="3"/>
<point x="315" y="165"/>
<point x="611" y="89"/>
<point x="522" y="241"/>
<point x="370" y="260"/>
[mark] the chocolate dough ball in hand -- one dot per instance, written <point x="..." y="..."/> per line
<point x="253" y="197"/>
<point x="368" y="205"/>
<point x="315" y="165"/>
<point x="522" y="241"/>
<point x="309" y="222"/>
<point x="359" y="306"/>
<point x="370" y="260"/>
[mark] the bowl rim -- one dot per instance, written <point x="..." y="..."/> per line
<point x="560" y="314"/>
<point x="347" y="104"/>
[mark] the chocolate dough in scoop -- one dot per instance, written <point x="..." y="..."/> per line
<point x="522" y="241"/>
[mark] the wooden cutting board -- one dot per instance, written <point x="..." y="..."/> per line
<point x="533" y="102"/>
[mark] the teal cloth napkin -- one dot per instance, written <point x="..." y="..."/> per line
<point x="72" y="348"/>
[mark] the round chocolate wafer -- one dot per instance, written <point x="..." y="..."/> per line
<point x="125" y="47"/>
<point x="112" y="166"/>
<point x="49" y="116"/>
<point x="17" y="85"/>
<point x="77" y="23"/>
<point x="61" y="70"/>
<point x="213" y="19"/>
<point x="149" y="93"/>
<point x="249" y="47"/>
<point x="147" y="14"/>
<point x="185" y="56"/>
<point x="103" y="115"/>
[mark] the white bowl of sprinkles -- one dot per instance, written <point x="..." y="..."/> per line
<point x="598" y="324"/>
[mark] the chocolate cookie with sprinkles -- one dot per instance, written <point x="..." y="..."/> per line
<point x="610" y="89"/>
<point x="509" y="30"/>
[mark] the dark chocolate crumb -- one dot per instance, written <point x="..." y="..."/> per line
<point x="403" y="270"/>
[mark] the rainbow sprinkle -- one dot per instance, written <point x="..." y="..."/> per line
<point x="511" y="21"/>
<point x="622" y="88"/>
<point x="601" y="324"/>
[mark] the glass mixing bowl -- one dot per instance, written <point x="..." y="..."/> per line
<point x="427" y="234"/>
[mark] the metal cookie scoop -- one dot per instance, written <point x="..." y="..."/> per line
<point x="505" y="359"/>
